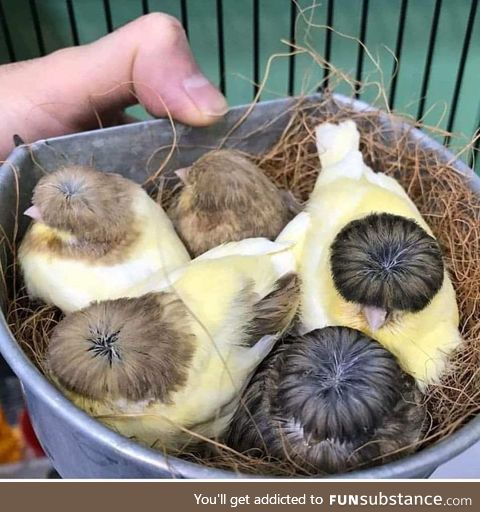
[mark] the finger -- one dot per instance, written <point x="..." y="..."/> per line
<point x="162" y="71"/>
<point x="148" y="59"/>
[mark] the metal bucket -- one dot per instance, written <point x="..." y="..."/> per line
<point x="79" y="446"/>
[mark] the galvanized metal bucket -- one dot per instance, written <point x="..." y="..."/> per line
<point x="79" y="446"/>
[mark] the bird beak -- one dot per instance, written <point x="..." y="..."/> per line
<point x="183" y="173"/>
<point x="33" y="212"/>
<point x="375" y="317"/>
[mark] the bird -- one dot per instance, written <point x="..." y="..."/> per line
<point x="368" y="260"/>
<point x="329" y="401"/>
<point x="93" y="236"/>
<point x="167" y="367"/>
<point x="226" y="197"/>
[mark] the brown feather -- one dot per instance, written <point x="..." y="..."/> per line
<point x="276" y="312"/>
<point x="102" y="253"/>
<point x="95" y="208"/>
<point x="134" y="349"/>
<point x="227" y="198"/>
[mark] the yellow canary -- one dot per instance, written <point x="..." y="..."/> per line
<point x="94" y="236"/>
<point x="169" y="366"/>
<point x="369" y="261"/>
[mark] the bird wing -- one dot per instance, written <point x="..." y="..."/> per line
<point x="210" y="285"/>
<point x="239" y="307"/>
<point x="158" y="234"/>
<point x="259" y="259"/>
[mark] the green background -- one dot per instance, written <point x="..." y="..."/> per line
<point x="275" y="25"/>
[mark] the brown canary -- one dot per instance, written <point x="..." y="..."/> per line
<point x="227" y="198"/>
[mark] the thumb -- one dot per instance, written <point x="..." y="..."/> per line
<point x="148" y="60"/>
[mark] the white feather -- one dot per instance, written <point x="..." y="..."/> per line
<point x="246" y="247"/>
<point x="336" y="141"/>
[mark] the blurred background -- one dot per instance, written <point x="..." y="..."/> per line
<point x="434" y="78"/>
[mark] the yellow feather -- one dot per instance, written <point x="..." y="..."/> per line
<point x="218" y="294"/>
<point x="347" y="190"/>
<point x="72" y="284"/>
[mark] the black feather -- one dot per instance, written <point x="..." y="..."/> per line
<point x="386" y="261"/>
<point x="329" y="401"/>
<point x="104" y="344"/>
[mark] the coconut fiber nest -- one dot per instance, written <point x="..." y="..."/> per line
<point x="444" y="199"/>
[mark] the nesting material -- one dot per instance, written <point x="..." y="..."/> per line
<point x="444" y="199"/>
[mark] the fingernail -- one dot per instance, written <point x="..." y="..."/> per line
<point x="207" y="98"/>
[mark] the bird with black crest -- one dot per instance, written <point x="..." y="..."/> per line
<point x="330" y="401"/>
<point x="368" y="260"/>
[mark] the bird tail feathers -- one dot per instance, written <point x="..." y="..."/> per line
<point x="275" y="312"/>
<point x="336" y="141"/>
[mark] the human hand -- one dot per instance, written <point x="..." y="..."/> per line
<point x="147" y="61"/>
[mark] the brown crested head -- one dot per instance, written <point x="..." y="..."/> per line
<point x="387" y="261"/>
<point x="227" y="179"/>
<point x="134" y="349"/>
<point x="90" y="205"/>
